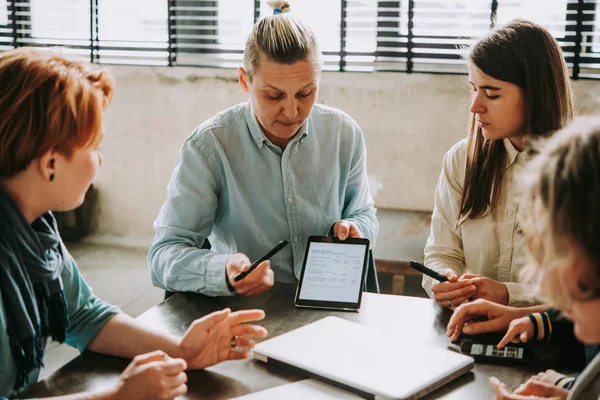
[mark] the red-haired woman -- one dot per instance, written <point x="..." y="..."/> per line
<point x="50" y="130"/>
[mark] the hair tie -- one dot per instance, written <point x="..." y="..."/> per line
<point x="277" y="11"/>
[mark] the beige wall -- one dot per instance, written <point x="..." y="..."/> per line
<point x="409" y="121"/>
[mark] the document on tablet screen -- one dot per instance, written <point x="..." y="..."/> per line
<point x="333" y="272"/>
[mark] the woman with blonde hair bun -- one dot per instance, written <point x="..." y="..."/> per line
<point x="277" y="167"/>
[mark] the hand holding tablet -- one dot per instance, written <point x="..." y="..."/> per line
<point x="344" y="229"/>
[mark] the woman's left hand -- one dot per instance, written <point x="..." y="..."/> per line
<point x="221" y="336"/>
<point x="488" y="289"/>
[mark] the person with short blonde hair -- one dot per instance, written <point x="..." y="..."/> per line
<point x="51" y="109"/>
<point x="277" y="167"/>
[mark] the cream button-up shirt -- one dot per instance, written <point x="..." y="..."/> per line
<point x="494" y="245"/>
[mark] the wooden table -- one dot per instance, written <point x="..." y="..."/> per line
<point x="413" y="319"/>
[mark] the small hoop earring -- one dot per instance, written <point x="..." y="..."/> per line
<point x="51" y="177"/>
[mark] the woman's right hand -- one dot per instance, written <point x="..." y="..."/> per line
<point x="454" y="292"/>
<point x="152" y="376"/>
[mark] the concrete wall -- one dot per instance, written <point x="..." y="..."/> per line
<point x="409" y="121"/>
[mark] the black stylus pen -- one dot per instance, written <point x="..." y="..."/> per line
<point x="428" y="271"/>
<point x="255" y="264"/>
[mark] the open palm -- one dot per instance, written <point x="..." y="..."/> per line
<point x="208" y="340"/>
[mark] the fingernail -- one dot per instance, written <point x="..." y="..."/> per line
<point x="467" y="329"/>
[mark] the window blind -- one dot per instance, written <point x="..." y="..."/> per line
<point x="411" y="36"/>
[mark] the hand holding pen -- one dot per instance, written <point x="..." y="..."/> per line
<point x="259" y="281"/>
<point x="252" y="279"/>
<point x="449" y="291"/>
<point x="454" y="292"/>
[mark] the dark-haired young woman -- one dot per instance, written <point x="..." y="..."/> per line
<point x="521" y="90"/>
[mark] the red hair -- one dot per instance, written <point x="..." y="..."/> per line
<point x="49" y="101"/>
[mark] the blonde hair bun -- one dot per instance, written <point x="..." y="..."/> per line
<point x="283" y="6"/>
<point x="282" y="39"/>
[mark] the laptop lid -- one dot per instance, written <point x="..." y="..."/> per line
<point x="368" y="360"/>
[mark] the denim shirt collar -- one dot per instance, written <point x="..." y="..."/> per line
<point x="259" y="136"/>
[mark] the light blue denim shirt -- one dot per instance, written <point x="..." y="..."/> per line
<point x="87" y="316"/>
<point x="232" y="185"/>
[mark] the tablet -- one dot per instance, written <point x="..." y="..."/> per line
<point x="333" y="273"/>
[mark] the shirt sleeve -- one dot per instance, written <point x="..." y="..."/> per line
<point x="176" y="260"/>
<point x="521" y="294"/>
<point x="87" y="313"/>
<point x="552" y="326"/>
<point x="358" y="202"/>
<point x="444" y="249"/>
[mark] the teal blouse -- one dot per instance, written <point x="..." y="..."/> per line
<point x="87" y="315"/>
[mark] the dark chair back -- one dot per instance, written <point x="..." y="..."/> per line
<point x="371" y="281"/>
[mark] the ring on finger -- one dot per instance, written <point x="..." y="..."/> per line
<point x="233" y="342"/>
<point x="449" y="303"/>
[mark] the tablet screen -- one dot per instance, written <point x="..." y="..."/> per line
<point x="333" y="272"/>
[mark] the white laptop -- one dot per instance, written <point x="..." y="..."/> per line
<point x="371" y="362"/>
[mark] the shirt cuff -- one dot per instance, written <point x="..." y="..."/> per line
<point x="214" y="284"/>
<point x="521" y="294"/>
<point x="427" y="283"/>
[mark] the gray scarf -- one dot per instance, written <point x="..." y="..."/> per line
<point x="34" y="302"/>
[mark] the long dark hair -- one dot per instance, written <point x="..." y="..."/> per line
<point x="527" y="55"/>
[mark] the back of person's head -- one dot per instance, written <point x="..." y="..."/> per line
<point x="280" y="38"/>
<point x="49" y="102"/>
<point x="561" y="199"/>
<point x="526" y="55"/>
